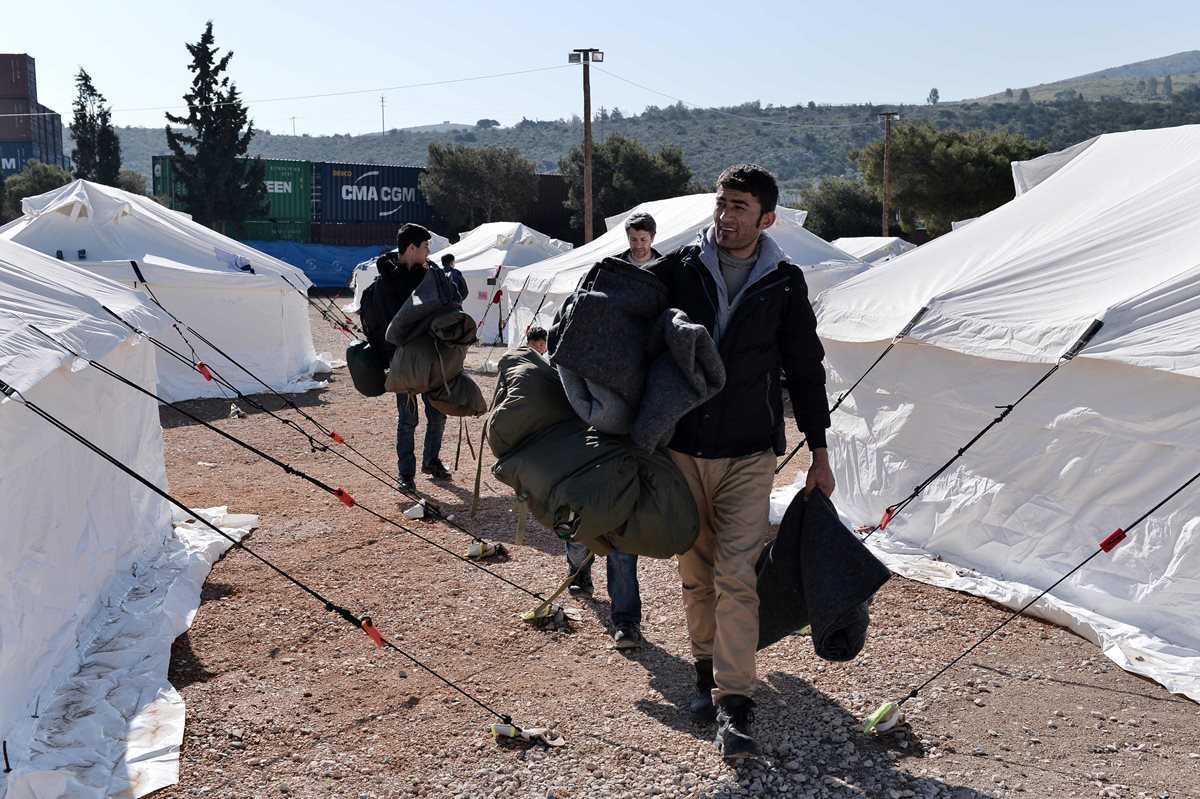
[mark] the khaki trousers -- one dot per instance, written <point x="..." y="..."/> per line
<point x="720" y="593"/>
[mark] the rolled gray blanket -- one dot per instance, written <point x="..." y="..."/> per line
<point x="433" y="296"/>
<point x="817" y="572"/>
<point x="598" y="405"/>
<point x="686" y="372"/>
<point x="600" y="334"/>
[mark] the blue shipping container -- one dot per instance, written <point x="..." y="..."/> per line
<point x="359" y="193"/>
<point x="13" y="155"/>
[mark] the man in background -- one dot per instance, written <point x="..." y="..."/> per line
<point x="640" y="229"/>
<point x="399" y="275"/>
<point x="456" y="277"/>
<point x="623" y="589"/>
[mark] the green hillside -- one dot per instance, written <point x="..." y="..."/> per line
<point x="801" y="144"/>
<point x="1144" y="81"/>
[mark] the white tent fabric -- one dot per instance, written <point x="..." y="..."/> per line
<point x="238" y="298"/>
<point x="874" y="249"/>
<point x="1109" y="234"/>
<point x="75" y="528"/>
<point x="364" y="274"/>
<point x="483" y="255"/>
<point x="535" y="293"/>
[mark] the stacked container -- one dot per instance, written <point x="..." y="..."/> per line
<point x="27" y="128"/>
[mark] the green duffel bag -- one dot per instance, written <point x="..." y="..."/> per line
<point x="366" y="371"/>
<point x="664" y="520"/>
<point x="529" y="398"/>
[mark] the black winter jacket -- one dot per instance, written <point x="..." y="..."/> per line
<point x="772" y="326"/>
<point x="383" y="298"/>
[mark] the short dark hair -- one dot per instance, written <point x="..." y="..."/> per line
<point x="754" y="179"/>
<point x="536" y="334"/>
<point x="641" y="221"/>
<point x="447" y="259"/>
<point x="410" y="234"/>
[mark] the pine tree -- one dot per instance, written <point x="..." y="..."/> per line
<point x="223" y="188"/>
<point x="97" y="153"/>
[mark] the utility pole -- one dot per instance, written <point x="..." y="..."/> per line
<point x="586" y="56"/>
<point x="293" y="126"/>
<point x="887" y="157"/>
<point x="382" y="119"/>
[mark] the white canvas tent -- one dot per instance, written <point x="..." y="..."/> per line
<point x="364" y="274"/>
<point x="233" y="295"/>
<point x="484" y="256"/>
<point x="538" y="291"/>
<point x="80" y="542"/>
<point x="874" y="249"/>
<point x="1109" y="234"/>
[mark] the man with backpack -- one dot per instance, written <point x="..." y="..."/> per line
<point x="400" y="273"/>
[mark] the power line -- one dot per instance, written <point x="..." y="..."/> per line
<point x="328" y="94"/>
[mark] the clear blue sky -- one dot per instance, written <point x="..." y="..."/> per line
<point x="707" y="54"/>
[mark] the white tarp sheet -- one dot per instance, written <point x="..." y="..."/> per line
<point x="874" y="249"/>
<point x="484" y="256"/>
<point x="114" y="727"/>
<point x="539" y="290"/>
<point x="237" y="297"/>
<point x="1109" y="234"/>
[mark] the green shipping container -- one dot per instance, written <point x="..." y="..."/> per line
<point x="277" y="231"/>
<point x="289" y="189"/>
<point x="163" y="184"/>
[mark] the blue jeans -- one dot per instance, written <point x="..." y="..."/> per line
<point x="406" y="426"/>
<point x="623" y="589"/>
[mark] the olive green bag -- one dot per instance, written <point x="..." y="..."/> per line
<point x="366" y="371"/>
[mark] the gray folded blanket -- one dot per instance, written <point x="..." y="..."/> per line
<point x="600" y="332"/>
<point x="817" y="572"/>
<point x="629" y="364"/>
<point x="433" y="296"/>
<point x="685" y="372"/>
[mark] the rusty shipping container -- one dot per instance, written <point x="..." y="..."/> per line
<point x="16" y="122"/>
<point x="374" y="234"/>
<point x="18" y="78"/>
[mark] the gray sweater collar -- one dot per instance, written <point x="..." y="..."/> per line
<point x="769" y="256"/>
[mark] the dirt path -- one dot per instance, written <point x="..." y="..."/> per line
<point x="285" y="699"/>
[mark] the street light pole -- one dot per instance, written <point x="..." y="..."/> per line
<point x="887" y="158"/>
<point x="585" y="57"/>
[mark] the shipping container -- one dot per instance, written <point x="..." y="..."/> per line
<point x="18" y="127"/>
<point x="13" y="155"/>
<point x="162" y="182"/>
<point x="18" y="78"/>
<point x="276" y="231"/>
<point x="289" y="190"/>
<point x="288" y="183"/>
<point x="370" y="193"/>
<point x="375" y="234"/>
<point x="548" y="213"/>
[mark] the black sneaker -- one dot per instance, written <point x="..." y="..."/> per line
<point x="628" y="636"/>
<point x="701" y="708"/>
<point x="406" y="484"/>
<point x="581" y="585"/>
<point x="436" y="470"/>
<point x="735" y="714"/>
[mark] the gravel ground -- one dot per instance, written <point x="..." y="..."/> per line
<point x="284" y="699"/>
